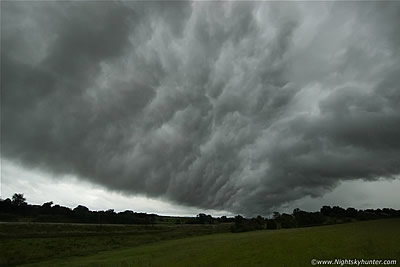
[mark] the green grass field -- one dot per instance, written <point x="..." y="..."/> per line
<point x="31" y="242"/>
<point x="378" y="239"/>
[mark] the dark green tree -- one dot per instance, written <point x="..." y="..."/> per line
<point x="18" y="200"/>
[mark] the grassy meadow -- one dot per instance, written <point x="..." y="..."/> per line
<point x="378" y="239"/>
<point x="35" y="242"/>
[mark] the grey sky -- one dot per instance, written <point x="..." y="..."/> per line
<point x="240" y="107"/>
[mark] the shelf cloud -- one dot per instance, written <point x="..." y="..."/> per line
<point x="236" y="106"/>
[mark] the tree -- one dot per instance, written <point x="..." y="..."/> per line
<point x="276" y="215"/>
<point x="18" y="200"/>
<point x="326" y="210"/>
<point x="271" y="224"/>
<point x="240" y="224"/>
<point x="81" y="209"/>
<point x="304" y="218"/>
<point x="47" y="205"/>
<point x="203" y="219"/>
<point x="296" y="210"/>
<point x="351" y="212"/>
<point x="286" y="221"/>
<point x="110" y="212"/>
<point x="338" y="212"/>
<point x="82" y="214"/>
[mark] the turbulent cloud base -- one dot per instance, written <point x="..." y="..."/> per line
<point x="237" y="106"/>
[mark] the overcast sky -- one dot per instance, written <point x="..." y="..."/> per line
<point x="182" y="107"/>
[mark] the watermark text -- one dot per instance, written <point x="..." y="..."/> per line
<point x="355" y="262"/>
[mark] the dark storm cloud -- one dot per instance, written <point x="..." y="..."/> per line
<point x="241" y="106"/>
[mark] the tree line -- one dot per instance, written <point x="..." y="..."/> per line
<point x="17" y="209"/>
<point x="299" y="218"/>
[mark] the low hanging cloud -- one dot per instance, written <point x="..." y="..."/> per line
<point x="237" y="106"/>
